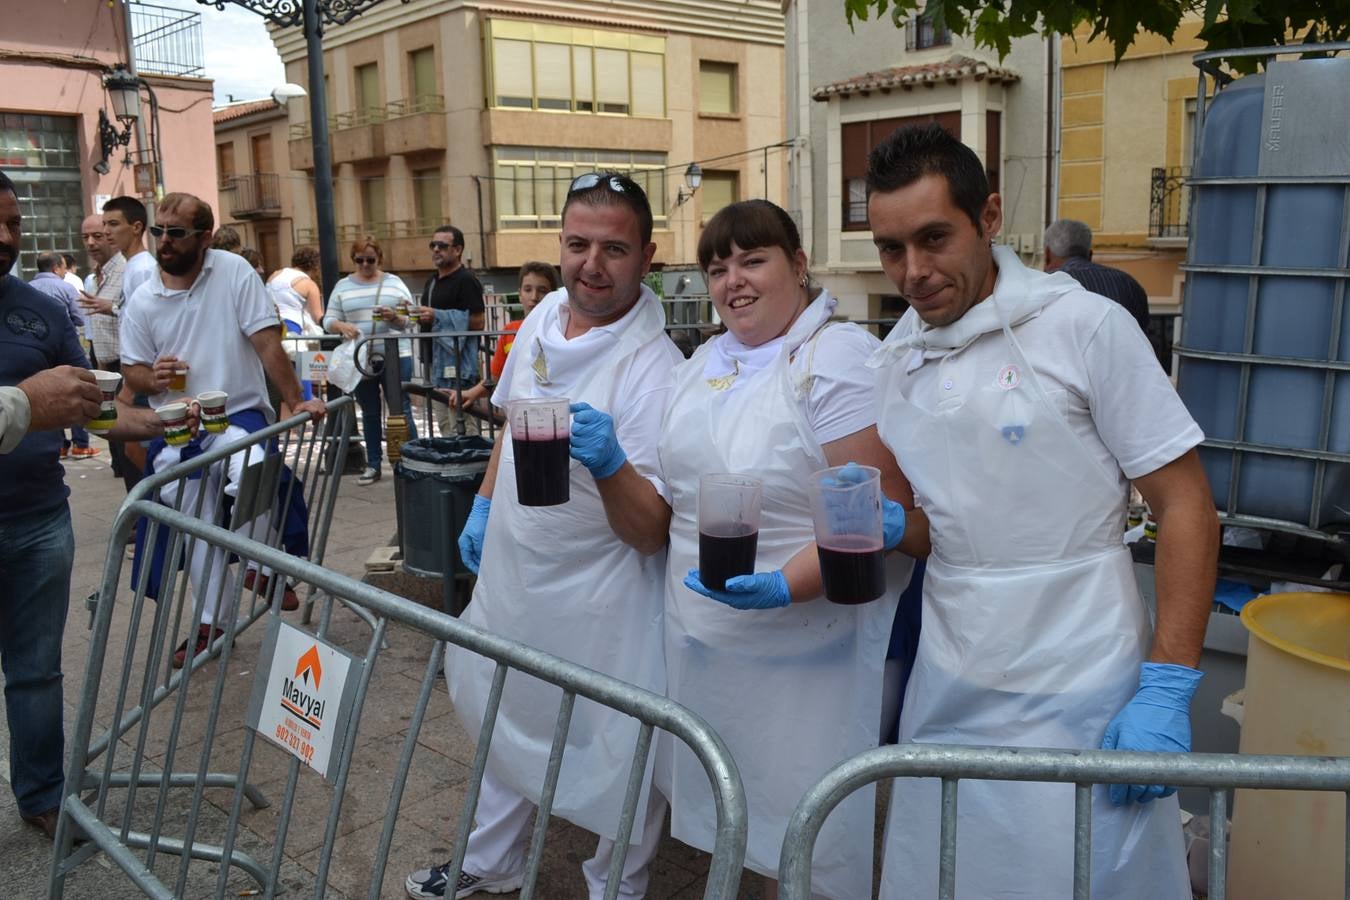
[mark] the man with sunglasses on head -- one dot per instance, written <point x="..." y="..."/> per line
<point x="583" y="579"/>
<point x="207" y="312"/>
<point x="451" y="286"/>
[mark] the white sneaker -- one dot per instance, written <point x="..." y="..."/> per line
<point x="369" y="476"/>
<point x="430" y="884"/>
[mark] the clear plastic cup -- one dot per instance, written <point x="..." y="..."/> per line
<point x="175" y="419"/>
<point x="108" y="384"/>
<point x="540" y="441"/>
<point x="212" y="403"/>
<point x="846" y="507"/>
<point x="178" y="381"/>
<point x="728" y="527"/>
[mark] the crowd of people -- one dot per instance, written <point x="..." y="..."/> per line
<point x="1008" y="413"/>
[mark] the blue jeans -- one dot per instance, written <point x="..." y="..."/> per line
<point x="367" y="395"/>
<point x="36" y="555"/>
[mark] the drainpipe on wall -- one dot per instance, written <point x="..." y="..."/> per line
<point x="1054" y="96"/>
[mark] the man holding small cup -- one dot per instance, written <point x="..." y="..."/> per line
<point x="45" y="386"/>
<point x="204" y="323"/>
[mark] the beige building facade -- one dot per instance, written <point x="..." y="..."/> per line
<point x="849" y="88"/>
<point x="1126" y="140"/>
<point x="479" y="115"/>
<point x="257" y="186"/>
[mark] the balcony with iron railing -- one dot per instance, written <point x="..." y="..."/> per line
<point x="166" y="41"/>
<point x="1169" y="206"/>
<point x="256" y="196"/>
<point x="404" y="126"/>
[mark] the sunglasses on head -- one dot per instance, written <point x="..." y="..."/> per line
<point x="175" y="232"/>
<point x="617" y="183"/>
<point x="439" y="245"/>
<point x="365" y="260"/>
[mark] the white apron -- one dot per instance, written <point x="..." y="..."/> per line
<point x="557" y="578"/>
<point x="1015" y="653"/>
<point x="792" y="691"/>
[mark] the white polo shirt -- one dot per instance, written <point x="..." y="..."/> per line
<point x="208" y="326"/>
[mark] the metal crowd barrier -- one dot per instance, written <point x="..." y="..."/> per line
<point x="1216" y="771"/>
<point x="119" y="786"/>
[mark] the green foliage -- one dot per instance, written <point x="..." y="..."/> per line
<point x="1227" y="24"/>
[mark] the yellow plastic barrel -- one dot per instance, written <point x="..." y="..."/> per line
<point x="1292" y="843"/>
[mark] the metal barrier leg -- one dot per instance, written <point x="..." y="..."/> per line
<point x="630" y="802"/>
<point x="480" y="756"/>
<point x="1218" y="843"/>
<point x="1082" y="842"/>
<point x="947" y="842"/>
<point x="404" y="765"/>
<point x="547" y="794"/>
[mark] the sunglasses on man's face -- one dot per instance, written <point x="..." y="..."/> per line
<point x="365" y="260"/>
<point x="174" y="232"/>
<point x="439" y="245"/>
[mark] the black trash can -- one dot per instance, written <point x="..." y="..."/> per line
<point x="438" y="478"/>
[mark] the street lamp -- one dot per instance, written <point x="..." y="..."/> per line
<point x="313" y="15"/>
<point x="693" y="176"/>
<point x="124" y="92"/>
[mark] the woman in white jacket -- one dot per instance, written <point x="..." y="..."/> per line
<point x="790" y="681"/>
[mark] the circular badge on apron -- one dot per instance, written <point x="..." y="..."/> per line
<point x="1009" y="377"/>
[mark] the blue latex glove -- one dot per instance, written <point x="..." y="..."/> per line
<point x="764" y="590"/>
<point x="594" y="443"/>
<point x="475" y="529"/>
<point x="1157" y="719"/>
<point x="892" y="513"/>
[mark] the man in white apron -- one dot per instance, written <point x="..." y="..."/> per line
<point x="582" y="580"/>
<point x="1020" y="406"/>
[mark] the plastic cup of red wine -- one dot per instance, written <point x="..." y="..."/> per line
<point x="728" y="527"/>
<point x="540" y="439"/>
<point x="846" y="507"/>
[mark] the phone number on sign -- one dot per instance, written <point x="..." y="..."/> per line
<point x="304" y="749"/>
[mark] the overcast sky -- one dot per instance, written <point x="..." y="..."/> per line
<point x="239" y="54"/>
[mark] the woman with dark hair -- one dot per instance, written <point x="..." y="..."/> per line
<point x="368" y="302"/>
<point x="790" y="681"/>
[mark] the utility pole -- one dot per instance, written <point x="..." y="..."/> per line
<point x="312" y="15"/>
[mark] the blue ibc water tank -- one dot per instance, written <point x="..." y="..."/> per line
<point x="1242" y="321"/>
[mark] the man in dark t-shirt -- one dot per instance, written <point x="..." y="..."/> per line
<point x="37" y="545"/>
<point x="1068" y="249"/>
<point x="451" y="286"/>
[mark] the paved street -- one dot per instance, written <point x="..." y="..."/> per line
<point x="364" y="519"/>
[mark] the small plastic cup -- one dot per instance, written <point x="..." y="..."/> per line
<point x="175" y="419"/>
<point x="108" y="384"/>
<point x="212" y="403"/>
<point x="540" y="441"/>
<point x="179" y="380"/>
<point x="728" y="527"/>
<point x="846" y="507"/>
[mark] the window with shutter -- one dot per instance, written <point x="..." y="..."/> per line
<point x="649" y="84"/>
<point x="611" y="80"/>
<point x="719" y="189"/>
<point x="716" y="88"/>
<point x="553" y="62"/>
<point x="513" y="75"/>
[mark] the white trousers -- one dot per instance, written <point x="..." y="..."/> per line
<point x="501" y="834"/>
<point x="206" y="564"/>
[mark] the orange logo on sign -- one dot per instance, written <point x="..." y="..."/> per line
<point x="309" y="662"/>
<point x="319" y="358"/>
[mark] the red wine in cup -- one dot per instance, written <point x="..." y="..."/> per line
<point x="542" y="477"/>
<point x="726" y="555"/>
<point x="853" y="569"/>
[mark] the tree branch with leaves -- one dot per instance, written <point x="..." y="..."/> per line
<point x="1228" y="24"/>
